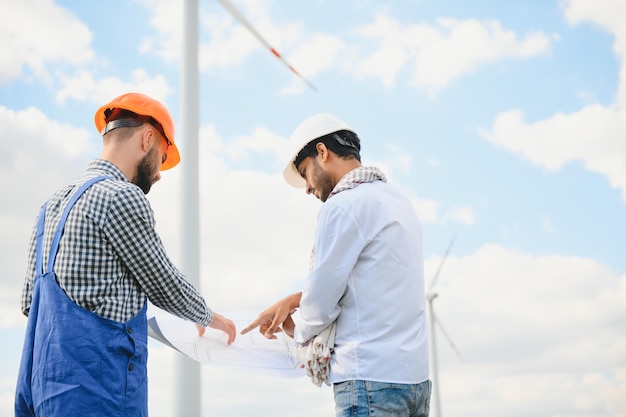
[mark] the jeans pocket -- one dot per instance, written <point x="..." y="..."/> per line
<point x="389" y="400"/>
<point x="342" y="386"/>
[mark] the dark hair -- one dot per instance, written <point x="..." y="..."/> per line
<point x="344" y="143"/>
<point x="116" y="113"/>
<point x="127" y="118"/>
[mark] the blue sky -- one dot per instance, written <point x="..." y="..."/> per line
<point x="504" y="122"/>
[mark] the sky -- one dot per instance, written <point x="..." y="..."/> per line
<point x="504" y="122"/>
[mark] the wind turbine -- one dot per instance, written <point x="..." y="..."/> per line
<point x="430" y="297"/>
<point x="188" y="394"/>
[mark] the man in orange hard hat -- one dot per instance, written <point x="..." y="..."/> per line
<point x="85" y="349"/>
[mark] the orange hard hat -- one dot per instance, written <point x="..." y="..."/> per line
<point x="143" y="105"/>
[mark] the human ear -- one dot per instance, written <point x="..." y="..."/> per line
<point x="322" y="151"/>
<point x="147" y="139"/>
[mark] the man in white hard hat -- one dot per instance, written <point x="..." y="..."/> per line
<point x="366" y="280"/>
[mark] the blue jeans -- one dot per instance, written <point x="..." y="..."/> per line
<point x="360" y="398"/>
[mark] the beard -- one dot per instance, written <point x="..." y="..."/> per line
<point x="323" y="182"/>
<point x="145" y="171"/>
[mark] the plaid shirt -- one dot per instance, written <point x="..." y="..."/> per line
<point x="110" y="257"/>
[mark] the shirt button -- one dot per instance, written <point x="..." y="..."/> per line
<point x="130" y="330"/>
<point x="130" y="367"/>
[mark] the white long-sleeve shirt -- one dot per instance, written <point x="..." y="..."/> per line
<point x="368" y="275"/>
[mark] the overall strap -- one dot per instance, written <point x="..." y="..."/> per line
<point x="59" y="232"/>
<point x="39" y="240"/>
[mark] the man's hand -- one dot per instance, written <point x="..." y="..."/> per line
<point x="220" y="323"/>
<point x="201" y="329"/>
<point x="289" y="326"/>
<point x="270" y="320"/>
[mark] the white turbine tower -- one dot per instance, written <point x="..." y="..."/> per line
<point x="189" y="392"/>
<point x="430" y="297"/>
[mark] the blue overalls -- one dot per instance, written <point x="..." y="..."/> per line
<point x="74" y="362"/>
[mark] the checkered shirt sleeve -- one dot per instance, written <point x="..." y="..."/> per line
<point x="110" y="257"/>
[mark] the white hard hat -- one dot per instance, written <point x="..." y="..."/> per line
<point x="310" y="129"/>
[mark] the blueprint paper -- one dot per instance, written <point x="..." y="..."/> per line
<point x="251" y="352"/>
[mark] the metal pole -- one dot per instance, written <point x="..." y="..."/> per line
<point x="188" y="386"/>
<point x="433" y="352"/>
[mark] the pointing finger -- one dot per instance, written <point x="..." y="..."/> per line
<point x="251" y="326"/>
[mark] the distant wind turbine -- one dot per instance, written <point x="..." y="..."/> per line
<point x="430" y="297"/>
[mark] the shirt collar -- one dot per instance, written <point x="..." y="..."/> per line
<point x="106" y="168"/>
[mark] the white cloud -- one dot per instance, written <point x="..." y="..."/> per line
<point x="392" y="53"/>
<point x="83" y="86"/>
<point x="259" y="141"/>
<point x="592" y="135"/>
<point x="401" y="160"/>
<point x="525" y="323"/>
<point x="534" y="302"/>
<point x="609" y="16"/>
<point x="429" y="212"/>
<point x="230" y="44"/>
<point x="166" y="17"/>
<point x="7" y="394"/>
<point x="458" y="47"/>
<point x="32" y="143"/>
<point x="463" y="214"/>
<point x="35" y="33"/>
<point x="443" y="52"/>
<point x="31" y="140"/>
<point x="258" y="236"/>
<point x="311" y="57"/>
<point x="231" y="41"/>
<point x="547" y="224"/>
<point x="438" y="54"/>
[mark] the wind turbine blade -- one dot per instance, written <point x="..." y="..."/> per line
<point x="235" y="12"/>
<point x="448" y="338"/>
<point x="445" y="255"/>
